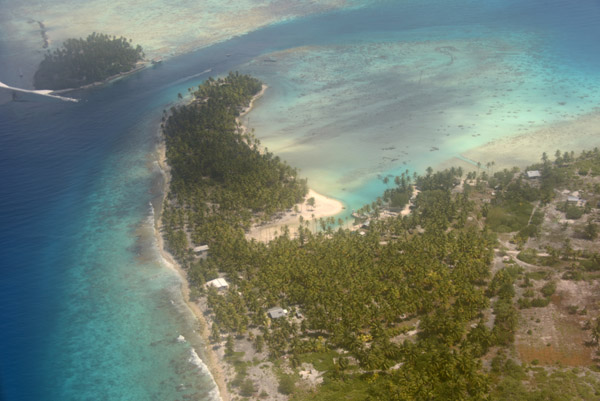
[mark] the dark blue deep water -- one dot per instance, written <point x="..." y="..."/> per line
<point x="87" y="311"/>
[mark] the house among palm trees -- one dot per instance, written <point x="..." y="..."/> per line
<point x="574" y="198"/>
<point x="277" y="312"/>
<point x="201" y="251"/>
<point x="218" y="283"/>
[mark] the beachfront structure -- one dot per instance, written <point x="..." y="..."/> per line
<point x="201" y="251"/>
<point x="534" y="174"/>
<point x="218" y="283"/>
<point x="277" y="312"/>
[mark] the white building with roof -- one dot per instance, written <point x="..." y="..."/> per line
<point x="201" y="251"/>
<point x="218" y="283"/>
<point x="277" y="312"/>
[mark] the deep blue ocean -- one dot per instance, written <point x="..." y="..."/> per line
<point x="87" y="309"/>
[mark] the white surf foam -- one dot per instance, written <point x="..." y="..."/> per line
<point x="197" y="361"/>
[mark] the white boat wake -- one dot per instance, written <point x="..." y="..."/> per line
<point x="181" y="80"/>
<point x="44" y="92"/>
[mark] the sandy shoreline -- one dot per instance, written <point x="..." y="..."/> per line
<point x="520" y="150"/>
<point x="250" y="106"/>
<point x="212" y="360"/>
<point x="525" y="149"/>
<point x="113" y="78"/>
<point x="323" y="207"/>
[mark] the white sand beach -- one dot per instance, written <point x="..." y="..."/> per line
<point x="324" y="207"/>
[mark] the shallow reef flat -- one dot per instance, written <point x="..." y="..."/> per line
<point x="161" y="27"/>
<point x="348" y="113"/>
<point x="524" y="149"/>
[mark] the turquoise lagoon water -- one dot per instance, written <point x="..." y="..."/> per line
<point x="89" y="311"/>
<point x="351" y="111"/>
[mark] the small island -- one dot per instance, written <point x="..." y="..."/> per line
<point x="81" y="62"/>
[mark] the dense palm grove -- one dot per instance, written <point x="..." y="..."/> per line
<point x="361" y="294"/>
<point x="358" y="299"/>
<point x="221" y="182"/>
<point x="84" y="61"/>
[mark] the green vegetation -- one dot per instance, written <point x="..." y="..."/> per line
<point x="221" y="181"/>
<point x="400" y="313"/>
<point x="84" y="61"/>
<point x="509" y="217"/>
<point x="591" y="231"/>
<point x="505" y="323"/>
<point x="354" y="292"/>
<point x="516" y="382"/>
<point x="287" y="384"/>
<point x="247" y="388"/>
<point x="548" y="289"/>
<point x="398" y="197"/>
<point x="587" y="163"/>
<point x="572" y="212"/>
<point x="528" y="255"/>
<point x="511" y="208"/>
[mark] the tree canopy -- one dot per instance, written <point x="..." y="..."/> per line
<point x="81" y="62"/>
<point x="407" y="311"/>
<point x="219" y="173"/>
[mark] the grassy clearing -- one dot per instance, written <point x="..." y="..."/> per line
<point x="322" y="361"/>
<point x="353" y="389"/>
<point x="515" y="382"/>
<point x="509" y="217"/>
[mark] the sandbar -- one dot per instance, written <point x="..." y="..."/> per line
<point x="323" y="207"/>
<point x="525" y="149"/>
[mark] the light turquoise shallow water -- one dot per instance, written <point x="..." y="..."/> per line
<point x="348" y="114"/>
